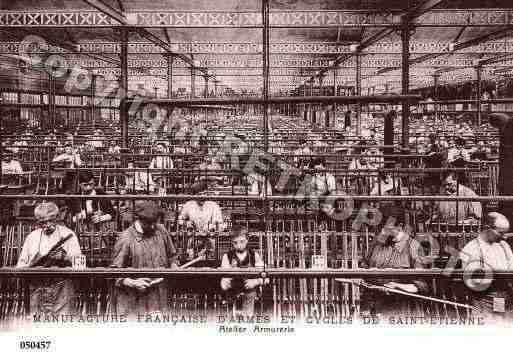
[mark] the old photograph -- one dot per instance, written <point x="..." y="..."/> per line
<point x="255" y="167"/>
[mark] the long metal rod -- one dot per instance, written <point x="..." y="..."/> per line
<point x="409" y="171"/>
<point x="285" y="100"/>
<point x="466" y="101"/>
<point x="402" y="292"/>
<point x="178" y="197"/>
<point x="241" y="272"/>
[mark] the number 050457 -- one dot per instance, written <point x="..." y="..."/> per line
<point x="35" y="345"/>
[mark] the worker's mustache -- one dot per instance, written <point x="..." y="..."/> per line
<point x="49" y="229"/>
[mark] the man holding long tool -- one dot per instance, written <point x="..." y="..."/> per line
<point x="48" y="246"/>
<point x="145" y="244"/>
<point x="393" y="248"/>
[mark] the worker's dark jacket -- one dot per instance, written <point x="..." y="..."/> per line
<point x="134" y="250"/>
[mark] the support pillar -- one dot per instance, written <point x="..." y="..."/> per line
<point x="93" y="96"/>
<point x="436" y="78"/>
<point x="170" y="59"/>
<point x="265" y="68"/>
<point x="265" y="88"/>
<point x="479" y="75"/>
<point x="321" y="111"/>
<point x="358" y="93"/>
<point x="504" y="124"/>
<point x="1" y="143"/>
<point x="388" y="135"/>
<point x="51" y="101"/>
<point x="335" y="75"/>
<point x="310" y="106"/>
<point x="335" y="107"/>
<point x="123" y="84"/>
<point x="205" y="77"/>
<point x="193" y="82"/>
<point x="405" y="39"/>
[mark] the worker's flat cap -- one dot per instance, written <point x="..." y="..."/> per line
<point x="148" y="210"/>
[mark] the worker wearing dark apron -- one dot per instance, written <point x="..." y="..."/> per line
<point x="241" y="291"/>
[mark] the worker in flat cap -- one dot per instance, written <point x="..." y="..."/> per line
<point x="490" y="252"/>
<point x="145" y="244"/>
<point x="50" y="245"/>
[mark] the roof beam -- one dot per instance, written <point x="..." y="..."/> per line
<point x="457" y="38"/>
<point x="166" y="35"/>
<point x="279" y="19"/>
<point x="509" y="68"/>
<point x="410" y="15"/>
<point x="445" y="70"/>
<point x="107" y="59"/>
<point x="374" y="38"/>
<point x="368" y="42"/>
<point x="495" y="59"/>
<point x="116" y="14"/>
<point x="362" y="33"/>
<point x="120" y="17"/>
<point x="64" y="45"/>
<point x="289" y="48"/>
<point x="495" y="35"/>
